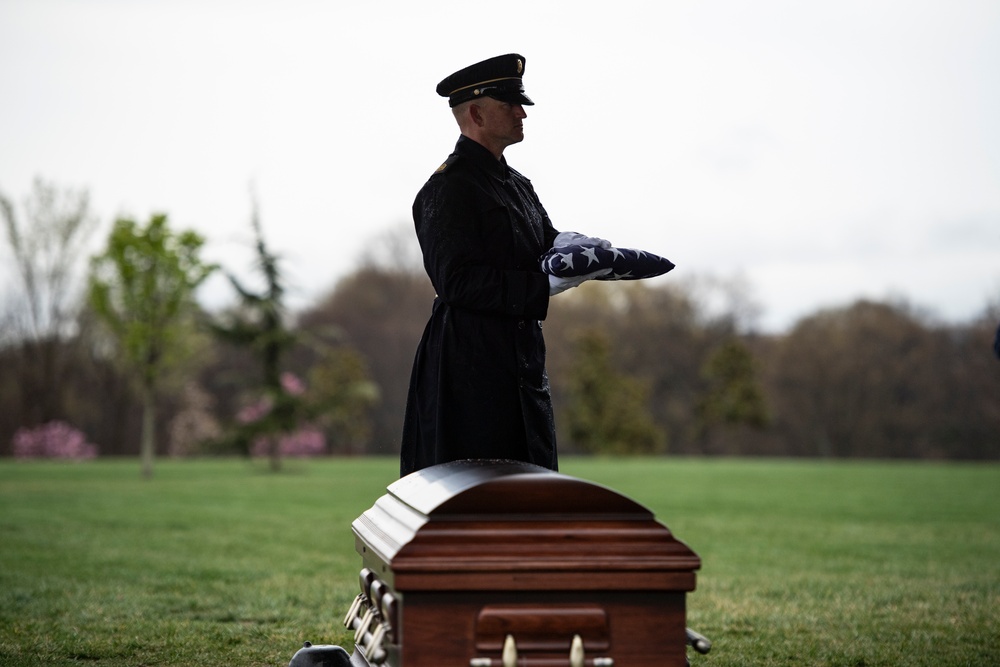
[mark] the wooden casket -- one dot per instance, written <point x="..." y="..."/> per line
<point x="497" y="563"/>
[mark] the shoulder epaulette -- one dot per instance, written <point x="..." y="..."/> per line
<point x="452" y="159"/>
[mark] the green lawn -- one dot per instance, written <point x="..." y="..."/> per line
<point x="220" y="562"/>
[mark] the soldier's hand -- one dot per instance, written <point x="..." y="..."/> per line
<point x="576" y="238"/>
<point x="558" y="285"/>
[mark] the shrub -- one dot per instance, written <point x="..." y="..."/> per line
<point x="303" y="443"/>
<point x="54" y="440"/>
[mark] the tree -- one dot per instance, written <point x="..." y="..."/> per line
<point x="47" y="250"/>
<point x="142" y="288"/>
<point x="732" y="398"/>
<point x="607" y="411"/>
<point x="859" y="381"/>
<point x="341" y="395"/>
<point x="47" y="247"/>
<point x="259" y="324"/>
<point x="659" y="338"/>
<point x="193" y="425"/>
<point x="380" y="311"/>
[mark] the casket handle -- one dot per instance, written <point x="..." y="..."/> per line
<point x="509" y="657"/>
<point x="366" y="620"/>
<point x="576" y="652"/>
<point x="373" y="650"/>
<point x="353" y="611"/>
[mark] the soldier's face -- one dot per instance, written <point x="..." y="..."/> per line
<point x="503" y="121"/>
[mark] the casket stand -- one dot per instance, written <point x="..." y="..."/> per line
<point x="502" y="563"/>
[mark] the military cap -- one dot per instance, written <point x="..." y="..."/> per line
<point x="499" y="78"/>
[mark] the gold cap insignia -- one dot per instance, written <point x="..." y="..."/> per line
<point x="520" y="66"/>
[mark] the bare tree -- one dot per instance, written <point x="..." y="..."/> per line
<point x="860" y="381"/>
<point x="48" y="248"/>
<point x="393" y="250"/>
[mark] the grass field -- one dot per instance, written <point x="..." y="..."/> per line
<point x="219" y="562"/>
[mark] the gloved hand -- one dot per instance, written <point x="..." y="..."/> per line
<point x="558" y="285"/>
<point x="576" y="238"/>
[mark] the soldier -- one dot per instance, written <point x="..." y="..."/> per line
<point x="478" y="389"/>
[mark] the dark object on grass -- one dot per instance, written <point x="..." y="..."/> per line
<point x="321" y="655"/>
<point x="698" y="642"/>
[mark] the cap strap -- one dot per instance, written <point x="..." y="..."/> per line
<point x="503" y="78"/>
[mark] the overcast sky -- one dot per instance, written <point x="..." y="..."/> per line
<point x="817" y="151"/>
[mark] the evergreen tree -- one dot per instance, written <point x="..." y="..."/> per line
<point x="259" y="323"/>
<point x="733" y="397"/>
<point x="608" y="411"/>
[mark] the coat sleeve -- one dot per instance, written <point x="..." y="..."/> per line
<point x="464" y="243"/>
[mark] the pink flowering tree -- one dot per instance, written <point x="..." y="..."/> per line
<point x="54" y="440"/>
<point x="265" y="428"/>
<point x="306" y="442"/>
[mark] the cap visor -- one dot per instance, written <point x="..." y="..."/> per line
<point x="512" y="97"/>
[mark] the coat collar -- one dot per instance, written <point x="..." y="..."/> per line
<point x="482" y="157"/>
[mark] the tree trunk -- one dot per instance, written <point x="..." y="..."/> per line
<point x="274" y="447"/>
<point x="147" y="443"/>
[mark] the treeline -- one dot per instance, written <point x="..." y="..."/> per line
<point x="636" y="367"/>
<point x="646" y="368"/>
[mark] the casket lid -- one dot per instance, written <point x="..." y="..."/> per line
<point x="488" y="487"/>
<point x="497" y="523"/>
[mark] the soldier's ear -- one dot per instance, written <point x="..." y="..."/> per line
<point x="476" y="113"/>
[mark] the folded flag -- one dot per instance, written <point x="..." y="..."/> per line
<point x="625" y="263"/>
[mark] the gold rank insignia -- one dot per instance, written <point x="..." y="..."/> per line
<point x="447" y="163"/>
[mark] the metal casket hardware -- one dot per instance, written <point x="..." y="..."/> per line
<point x="509" y="656"/>
<point x="576" y="652"/>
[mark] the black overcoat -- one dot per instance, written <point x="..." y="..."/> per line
<point x="478" y="388"/>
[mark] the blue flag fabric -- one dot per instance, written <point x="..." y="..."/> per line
<point x="625" y="263"/>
